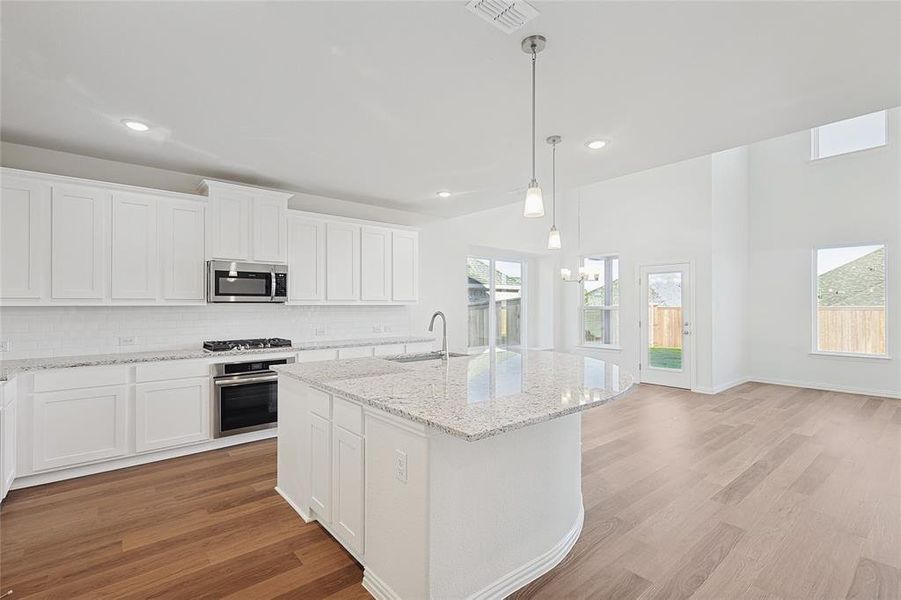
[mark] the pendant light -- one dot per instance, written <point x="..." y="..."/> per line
<point x="534" y="205"/>
<point x="553" y="237"/>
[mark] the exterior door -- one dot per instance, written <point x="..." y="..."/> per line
<point x="666" y="325"/>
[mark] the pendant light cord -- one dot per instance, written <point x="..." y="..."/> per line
<point x="554" y="184"/>
<point x="534" y="56"/>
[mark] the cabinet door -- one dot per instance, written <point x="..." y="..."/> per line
<point x="342" y="259"/>
<point x="171" y="413"/>
<point x="347" y="487"/>
<point x="181" y="250"/>
<point x="8" y="443"/>
<point x="375" y="263"/>
<point x="270" y="230"/>
<point x="78" y="217"/>
<point x="405" y="266"/>
<point x="78" y="426"/>
<point x="320" y="467"/>
<point x="24" y="238"/>
<point x="134" y="258"/>
<point x="230" y="226"/>
<point x="306" y="259"/>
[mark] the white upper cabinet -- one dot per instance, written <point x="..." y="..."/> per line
<point x="182" y="250"/>
<point x="405" y="266"/>
<point x="375" y="268"/>
<point x="134" y="257"/>
<point x="79" y="241"/>
<point x="342" y="259"/>
<point x="306" y="259"/>
<point x="24" y="238"/>
<point x="246" y="223"/>
<point x="270" y="229"/>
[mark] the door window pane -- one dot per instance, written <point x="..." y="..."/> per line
<point x="850" y="306"/>
<point x="508" y="302"/>
<point x="665" y="320"/>
<point x="478" y="283"/>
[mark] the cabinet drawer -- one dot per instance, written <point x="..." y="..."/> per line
<point x="321" y="403"/>
<point x="389" y="350"/>
<point x="179" y="369"/>
<point x="314" y="355"/>
<point x="347" y="415"/>
<point x="355" y="352"/>
<point x="81" y="377"/>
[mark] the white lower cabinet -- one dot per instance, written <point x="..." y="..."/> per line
<point x="78" y="426"/>
<point x="171" y="413"/>
<point x="320" y="467"/>
<point x="8" y="419"/>
<point x="347" y="487"/>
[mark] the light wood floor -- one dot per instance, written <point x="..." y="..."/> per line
<point x="760" y="492"/>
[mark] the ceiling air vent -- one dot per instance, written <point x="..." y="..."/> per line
<point x="506" y="15"/>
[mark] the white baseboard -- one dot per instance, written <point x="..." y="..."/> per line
<point x="529" y="572"/>
<point x="828" y="388"/>
<point x="25" y="481"/>
<point x="378" y="588"/>
<point x="303" y="514"/>
<point x="720" y="388"/>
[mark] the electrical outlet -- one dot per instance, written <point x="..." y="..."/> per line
<point x="126" y="340"/>
<point x="376" y="329"/>
<point x="5" y="345"/>
<point x="400" y="466"/>
<point x="319" y="331"/>
<point x="386" y="329"/>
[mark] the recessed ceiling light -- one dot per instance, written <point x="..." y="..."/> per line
<point x="135" y="125"/>
<point x="596" y="144"/>
<point x="444" y="194"/>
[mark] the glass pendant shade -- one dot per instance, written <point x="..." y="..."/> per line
<point x="553" y="239"/>
<point x="534" y="206"/>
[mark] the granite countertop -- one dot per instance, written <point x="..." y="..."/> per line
<point x="472" y="397"/>
<point x="8" y="368"/>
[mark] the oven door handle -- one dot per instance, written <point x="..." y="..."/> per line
<point x="233" y="381"/>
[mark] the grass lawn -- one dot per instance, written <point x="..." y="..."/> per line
<point x="665" y="358"/>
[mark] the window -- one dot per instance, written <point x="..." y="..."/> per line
<point x="495" y="298"/>
<point x="600" y="301"/>
<point x="850" y="135"/>
<point x="850" y="300"/>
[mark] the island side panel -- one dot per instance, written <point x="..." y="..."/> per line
<point x="294" y="444"/>
<point x="397" y="507"/>
<point x="500" y="504"/>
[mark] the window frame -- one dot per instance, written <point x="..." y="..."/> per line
<point x="492" y="258"/>
<point x="583" y="343"/>
<point x="815" y="138"/>
<point x="814" y="306"/>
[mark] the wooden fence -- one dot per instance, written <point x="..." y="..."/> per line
<point x="665" y="329"/>
<point x="509" y="321"/>
<point x="851" y="329"/>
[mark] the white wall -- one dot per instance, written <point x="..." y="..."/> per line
<point x="796" y="205"/>
<point x="653" y="217"/>
<point x="729" y="267"/>
<point x="63" y="331"/>
<point x="498" y="232"/>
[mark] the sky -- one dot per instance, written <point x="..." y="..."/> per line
<point x="830" y="258"/>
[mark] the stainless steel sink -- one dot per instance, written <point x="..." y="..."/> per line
<point x="407" y="358"/>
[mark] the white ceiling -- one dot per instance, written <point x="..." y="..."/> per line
<point x="388" y="102"/>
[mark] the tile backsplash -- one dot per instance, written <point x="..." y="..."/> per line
<point x="31" y="332"/>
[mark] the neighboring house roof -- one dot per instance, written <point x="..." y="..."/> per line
<point x="478" y="274"/>
<point x="860" y="282"/>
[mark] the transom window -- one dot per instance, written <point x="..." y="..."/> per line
<point x="850" y="135"/>
<point x="600" y="301"/>
<point x="850" y="307"/>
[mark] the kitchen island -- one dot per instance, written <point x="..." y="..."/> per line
<point x="456" y="478"/>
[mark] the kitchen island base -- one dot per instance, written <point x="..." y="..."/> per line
<point x="443" y="517"/>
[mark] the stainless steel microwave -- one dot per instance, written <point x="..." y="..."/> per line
<point x="229" y="281"/>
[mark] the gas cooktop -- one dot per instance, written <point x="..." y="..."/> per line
<point x="252" y="344"/>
